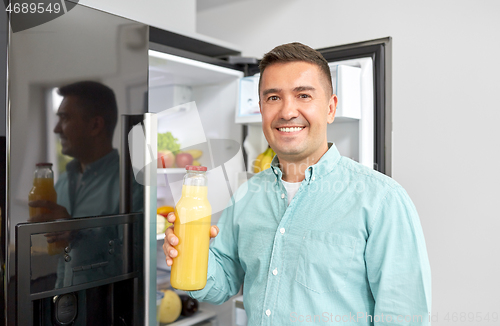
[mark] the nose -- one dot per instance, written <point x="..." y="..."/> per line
<point x="57" y="128"/>
<point x="289" y="109"/>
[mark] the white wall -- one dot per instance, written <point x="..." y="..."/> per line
<point x="446" y="138"/>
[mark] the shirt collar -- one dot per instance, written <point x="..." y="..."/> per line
<point x="74" y="165"/>
<point x="313" y="172"/>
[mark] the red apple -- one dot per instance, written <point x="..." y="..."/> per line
<point x="168" y="157"/>
<point x="183" y="159"/>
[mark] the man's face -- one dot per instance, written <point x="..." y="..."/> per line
<point x="294" y="95"/>
<point x="73" y="128"/>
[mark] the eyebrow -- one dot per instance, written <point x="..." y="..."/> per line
<point x="296" y="89"/>
<point x="271" y="90"/>
<point x="304" y="88"/>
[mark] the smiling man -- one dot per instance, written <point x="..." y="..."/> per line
<point x="317" y="238"/>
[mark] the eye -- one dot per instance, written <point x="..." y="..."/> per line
<point x="304" y="96"/>
<point x="273" y="98"/>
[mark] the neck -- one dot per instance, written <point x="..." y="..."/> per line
<point x="294" y="170"/>
<point x="97" y="153"/>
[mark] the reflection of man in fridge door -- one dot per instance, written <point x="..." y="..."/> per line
<point x="90" y="186"/>
<point x="317" y="234"/>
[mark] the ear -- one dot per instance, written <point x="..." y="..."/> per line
<point x="332" y="108"/>
<point x="96" y="125"/>
<point x="260" y="108"/>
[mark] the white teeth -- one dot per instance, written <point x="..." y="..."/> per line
<point x="291" y="129"/>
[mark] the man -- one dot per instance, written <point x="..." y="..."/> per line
<point x="317" y="238"/>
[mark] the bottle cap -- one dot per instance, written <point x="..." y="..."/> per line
<point x="196" y="168"/>
<point x="44" y="164"/>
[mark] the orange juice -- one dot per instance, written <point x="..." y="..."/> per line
<point x="43" y="189"/>
<point x="192" y="227"/>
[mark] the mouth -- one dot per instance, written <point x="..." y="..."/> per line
<point x="290" y="129"/>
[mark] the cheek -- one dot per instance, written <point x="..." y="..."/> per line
<point x="266" y="120"/>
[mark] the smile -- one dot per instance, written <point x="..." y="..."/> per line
<point x="292" y="129"/>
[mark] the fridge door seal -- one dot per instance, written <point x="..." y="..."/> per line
<point x="380" y="52"/>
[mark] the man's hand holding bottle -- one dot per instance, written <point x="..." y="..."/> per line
<point x="171" y="240"/>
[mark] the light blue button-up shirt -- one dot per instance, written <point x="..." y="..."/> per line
<point x="349" y="249"/>
<point x="99" y="191"/>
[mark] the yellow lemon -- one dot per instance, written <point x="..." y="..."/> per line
<point x="170" y="307"/>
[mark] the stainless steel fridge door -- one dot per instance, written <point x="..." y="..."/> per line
<point x="80" y="46"/>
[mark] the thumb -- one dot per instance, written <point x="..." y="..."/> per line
<point x="43" y="203"/>
<point x="214" y="231"/>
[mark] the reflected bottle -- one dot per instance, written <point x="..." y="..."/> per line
<point x="43" y="189"/>
<point x="192" y="227"/>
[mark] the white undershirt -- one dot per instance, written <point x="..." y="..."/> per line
<point x="291" y="189"/>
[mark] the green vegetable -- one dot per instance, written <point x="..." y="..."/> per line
<point x="168" y="142"/>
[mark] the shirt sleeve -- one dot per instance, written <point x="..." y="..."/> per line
<point x="397" y="264"/>
<point x="225" y="273"/>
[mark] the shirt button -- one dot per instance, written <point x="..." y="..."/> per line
<point x="313" y="178"/>
<point x="282" y="230"/>
<point x="268" y="312"/>
<point x="275" y="272"/>
<point x="282" y="196"/>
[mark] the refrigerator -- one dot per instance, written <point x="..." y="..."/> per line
<point x="192" y="95"/>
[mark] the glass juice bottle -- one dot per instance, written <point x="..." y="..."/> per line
<point x="43" y="189"/>
<point x="192" y="226"/>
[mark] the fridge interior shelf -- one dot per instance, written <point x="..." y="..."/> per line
<point x="200" y="316"/>
<point x="166" y="69"/>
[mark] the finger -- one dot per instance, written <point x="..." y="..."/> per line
<point x="171" y="217"/>
<point x="54" y="234"/>
<point x="170" y="236"/>
<point x="214" y="231"/>
<point x="169" y="251"/>
<point x="43" y="203"/>
<point x="40" y="218"/>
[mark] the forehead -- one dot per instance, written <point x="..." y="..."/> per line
<point x="291" y="74"/>
<point x="69" y="105"/>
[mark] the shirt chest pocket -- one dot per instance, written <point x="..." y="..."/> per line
<point x="324" y="261"/>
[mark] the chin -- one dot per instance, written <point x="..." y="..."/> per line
<point x="66" y="152"/>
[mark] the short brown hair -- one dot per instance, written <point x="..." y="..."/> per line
<point x="296" y="52"/>
<point x="96" y="99"/>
